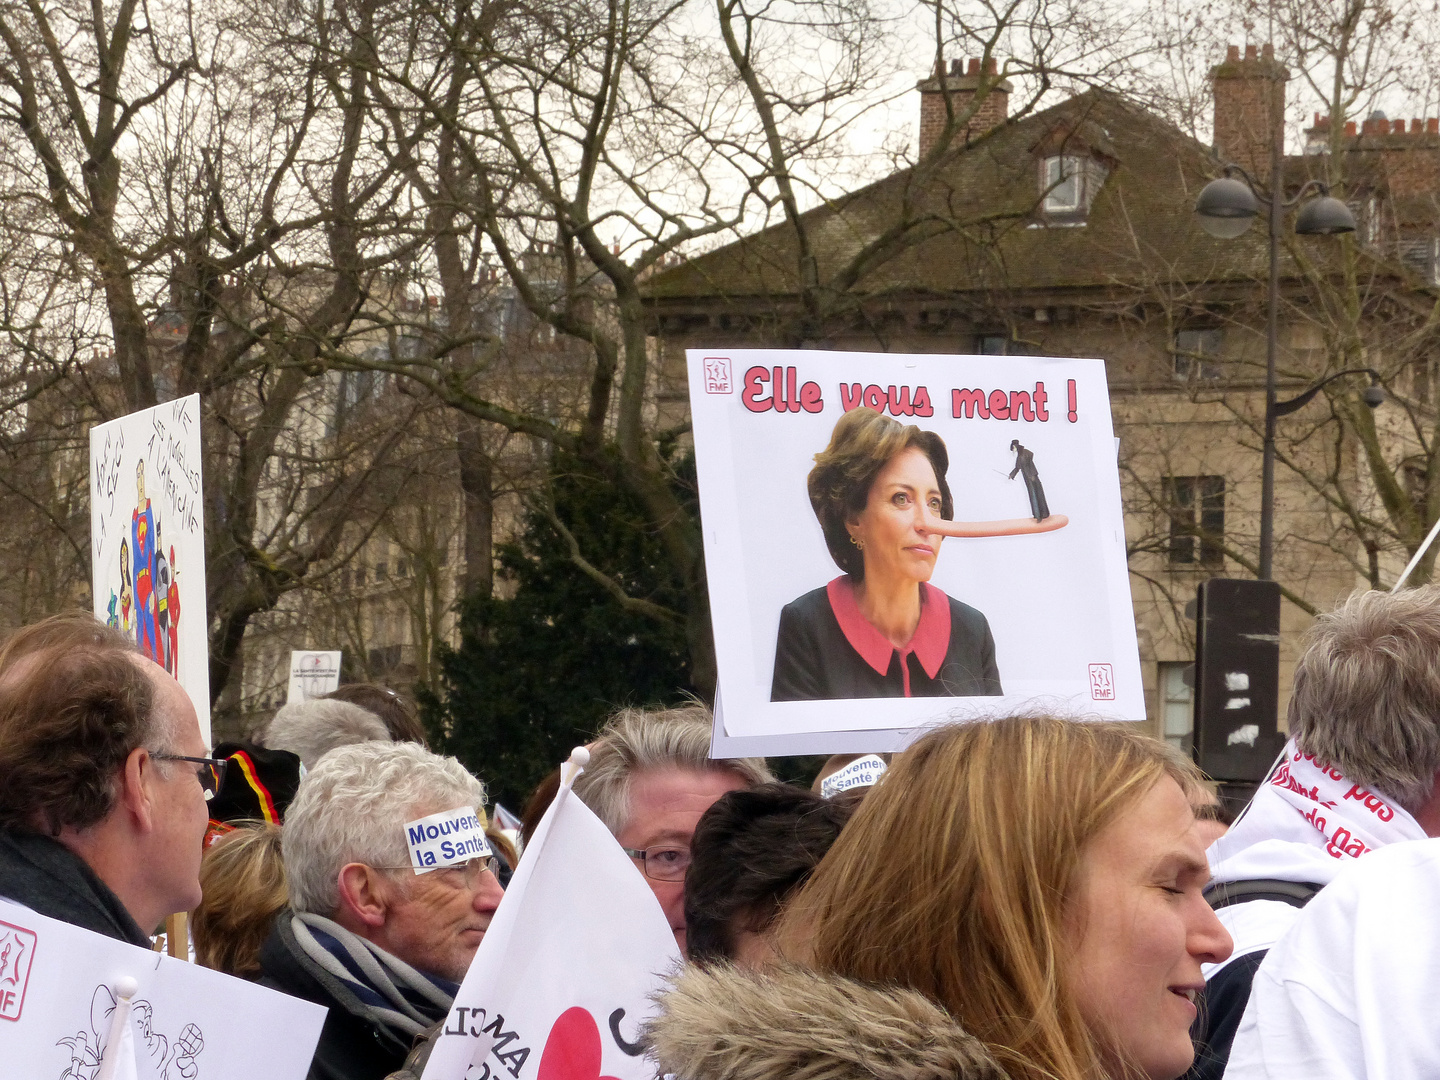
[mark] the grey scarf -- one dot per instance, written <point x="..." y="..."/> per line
<point x="364" y="978"/>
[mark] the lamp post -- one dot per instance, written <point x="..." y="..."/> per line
<point x="1228" y="207"/>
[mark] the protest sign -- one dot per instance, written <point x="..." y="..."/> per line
<point x="563" y="979"/>
<point x="313" y="674"/>
<point x="1023" y="587"/>
<point x="59" y="1003"/>
<point x="147" y="540"/>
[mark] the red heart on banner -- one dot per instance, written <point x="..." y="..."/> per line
<point x="572" y="1050"/>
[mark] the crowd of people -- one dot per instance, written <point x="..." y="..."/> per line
<point x="1031" y="898"/>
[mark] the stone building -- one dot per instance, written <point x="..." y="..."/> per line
<point x="1071" y="232"/>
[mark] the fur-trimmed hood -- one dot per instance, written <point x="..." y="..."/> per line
<point x="788" y="1023"/>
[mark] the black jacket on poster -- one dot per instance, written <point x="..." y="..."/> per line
<point x="827" y="651"/>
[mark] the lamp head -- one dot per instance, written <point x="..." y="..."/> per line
<point x="1373" y="395"/>
<point x="1226" y="208"/>
<point x="1324" y="216"/>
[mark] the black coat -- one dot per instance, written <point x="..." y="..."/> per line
<point x="815" y="660"/>
<point x="47" y="877"/>
<point x="351" y="1047"/>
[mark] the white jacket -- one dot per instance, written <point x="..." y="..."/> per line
<point x="1349" y="991"/>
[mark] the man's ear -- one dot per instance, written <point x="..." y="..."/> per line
<point x="363" y="894"/>
<point x="134" y="798"/>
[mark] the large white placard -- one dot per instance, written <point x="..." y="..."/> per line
<point x="185" y="1022"/>
<point x="147" y="539"/>
<point x="1031" y="466"/>
<point x="313" y="674"/>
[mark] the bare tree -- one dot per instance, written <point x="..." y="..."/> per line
<point x="198" y="192"/>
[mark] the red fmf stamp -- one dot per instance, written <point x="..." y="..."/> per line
<point x="1102" y="682"/>
<point x="717" y="375"/>
<point x="17" y="951"/>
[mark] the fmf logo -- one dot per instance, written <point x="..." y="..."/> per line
<point x="717" y="375"/>
<point x="17" y="952"/>
<point x="1102" y="682"/>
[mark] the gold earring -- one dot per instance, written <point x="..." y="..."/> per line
<point x="858" y="543"/>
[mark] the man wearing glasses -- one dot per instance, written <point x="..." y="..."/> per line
<point x="650" y="779"/>
<point x="103" y="804"/>
<point x="392" y="888"/>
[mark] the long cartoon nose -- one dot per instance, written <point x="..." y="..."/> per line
<point x="926" y="519"/>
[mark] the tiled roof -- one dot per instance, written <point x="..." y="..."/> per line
<point x="979" y="229"/>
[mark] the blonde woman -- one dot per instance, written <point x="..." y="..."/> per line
<point x="1017" y="899"/>
<point x="242" y="878"/>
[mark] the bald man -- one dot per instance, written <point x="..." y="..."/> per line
<point x="103" y="805"/>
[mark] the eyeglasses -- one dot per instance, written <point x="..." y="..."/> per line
<point x="468" y="872"/>
<point x="210" y="771"/>
<point x="662" y="863"/>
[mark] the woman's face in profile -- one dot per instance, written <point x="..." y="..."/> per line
<point x="894" y="528"/>
<point x="1140" y="929"/>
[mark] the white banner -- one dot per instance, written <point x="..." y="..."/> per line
<point x="147" y="540"/>
<point x="1027" y="603"/>
<point x="185" y="1022"/>
<point x="562" y="980"/>
<point x="313" y="674"/>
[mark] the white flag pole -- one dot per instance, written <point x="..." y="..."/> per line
<point x="1419" y="552"/>
<point x="125" y="989"/>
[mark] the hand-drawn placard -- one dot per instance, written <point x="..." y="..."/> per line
<point x="147" y="539"/>
<point x="58" y="999"/>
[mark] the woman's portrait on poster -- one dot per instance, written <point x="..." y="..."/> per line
<point x="881" y="629"/>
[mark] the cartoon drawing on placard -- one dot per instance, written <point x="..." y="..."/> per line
<point x="148" y="588"/>
<point x="1025" y="466"/>
<point x="156" y="1056"/>
<point x="313" y="674"/>
<point x="162" y="583"/>
<point x="172" y="656"/>
<point x="127" y="591"/>
<point x="142" y="539"/>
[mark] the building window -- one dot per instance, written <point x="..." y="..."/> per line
<point x="1196" y="508"/>
<point x="1064" y="183"/>
<point x="1068" y="185"/>
<point x="1003" y="345"/>
<point x="1197" y="353"/>
<point x="1177" y="710"/>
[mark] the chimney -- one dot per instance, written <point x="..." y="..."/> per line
<point x="1249" y="108"/>
<point x="962" y="83"/>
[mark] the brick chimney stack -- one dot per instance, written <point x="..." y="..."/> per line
<point x="962" y="83"/>
<point x="1249" y="108"/>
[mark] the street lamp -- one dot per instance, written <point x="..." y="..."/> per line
<point x="1226" y="208"/>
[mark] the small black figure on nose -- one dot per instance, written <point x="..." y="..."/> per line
<point x="1025" y="466"/>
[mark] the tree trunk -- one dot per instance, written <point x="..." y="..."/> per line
<point x="477" y="475"/>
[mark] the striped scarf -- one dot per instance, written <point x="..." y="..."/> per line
<point x="364" y="978"/>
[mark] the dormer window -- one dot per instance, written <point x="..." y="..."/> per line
<point x="1068" y="185"/>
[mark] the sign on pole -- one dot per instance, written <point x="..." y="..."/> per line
<point x="71" y="1000"/>
<point x="313" y="674"/>
<point x="147" y="539"/>
<point x="988" y="577"/>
